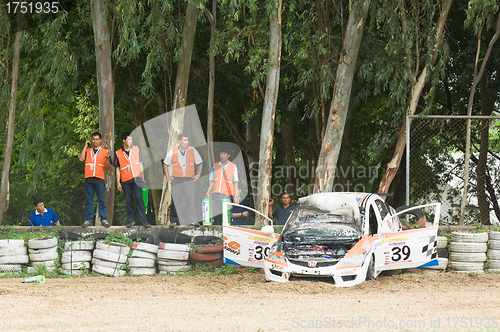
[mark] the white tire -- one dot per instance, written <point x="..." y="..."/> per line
<point x="468" y="247"/>
<point x="143" y="254"/>
<point x="145" y="247"/>
<point x="73" y="272"/>
<point x="76" y="256"/>
<point x="494" y="264"/>
<point x="110" y="256"/>
<point x="169" y="268"/>
<point x="42" y="251"/>
<point x="78" y="245"/>
<point x="493" y="254"/>
<point x="42" y="243"/>
<point x="11" y="243"/>
<point x="43" y="263"/>
<point x="170" y="262"/>
<point x="13" y="251"/>
<point x="172" y="254"/>
<point x="174" y="246"/>
<point x="103" y="263"/>
<point x="494" y="244"/>
<point x="141" y="262"/>
<point x="442" y="242"/>
<point x="468" y="257"/>
<point x="114" y="247"/>
<point x="33" y="269"/>
<point x="138" y="271"/>
<point x="443" y="264"/>
<point x="493" y="270"/>
<point x="19" y="259"/>
<point x="10" y="268"/>
<point x="76" y="266"/>
<point x="107" y="271"/>
<point x="494" y="235"/>
<point x="469" y="237"/>
<point x="463" y="266"/>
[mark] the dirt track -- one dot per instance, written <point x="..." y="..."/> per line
<point x="246" y="303"/>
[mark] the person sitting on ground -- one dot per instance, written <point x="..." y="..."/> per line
<point x="43" y="216"/>
<point x="283" y="211"/>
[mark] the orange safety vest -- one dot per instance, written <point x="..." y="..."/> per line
<point x="94" y="163"/>
<point x="129" y="166"/>
<point x="224" y="180"/>
<point x="176" y="167"/>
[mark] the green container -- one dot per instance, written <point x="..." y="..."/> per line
<point x="145" y="198"/>
<point x="206" y="212"/>
<point x="35" y="279"/>
<point x="226" y="217"/>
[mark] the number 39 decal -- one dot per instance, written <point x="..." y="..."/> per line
<point x="400" y="253"/>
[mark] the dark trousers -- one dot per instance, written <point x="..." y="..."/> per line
<point x="130" y="188"/>
<point x="184" y="196"/>
<point x="98" y="189"/>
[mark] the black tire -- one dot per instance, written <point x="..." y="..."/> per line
<point x="97" y="236"/>
<point x="370" y="272"/>
<point x="145" y="238"/>
<point x="443" y="253"/>
<point x="69" y="236"/>
<point x="175" y="237"/>
<point x="204" y="240"/>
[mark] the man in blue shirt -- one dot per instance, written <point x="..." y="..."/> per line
<point x="283" y="211"/>
<point x="43" y="216"/>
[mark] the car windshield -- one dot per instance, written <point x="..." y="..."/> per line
<point x="309" y="222"/>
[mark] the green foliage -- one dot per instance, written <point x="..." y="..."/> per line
<point x="7" y="232"/>
<point x="120" y="238"/>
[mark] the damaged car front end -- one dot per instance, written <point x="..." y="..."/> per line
<point x="317" y="241"/>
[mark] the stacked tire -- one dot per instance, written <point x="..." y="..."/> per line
<point x="468" y="252"/>
<point x="143" y="259"/>
<point x="109" y="259"/>
<point x="43" y="252"/>
<point x="76" y="257"/>
<point x="493" y="252"/>
<point x="173" y="257"/>
<point x="208" y="256"/>
<point x="442" y="244"/>
<point x="13" y="255"/>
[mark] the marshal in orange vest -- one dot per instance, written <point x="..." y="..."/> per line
<point x="224" y="179"/>
<point x="94" y="163"/>
<point x="129" y="166"/>
<point x="176" y="167"/>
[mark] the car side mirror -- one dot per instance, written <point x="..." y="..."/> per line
<point x="268" y="230"/>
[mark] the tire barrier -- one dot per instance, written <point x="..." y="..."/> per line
<point x="109" y="259"/>
<point x="76" y="257"/>
<point x="143" y="259"/>
<point x="173" y="257"/>
<point x="144" y="238"/>
<point x="442" y="242"/>
<point x="468" y="251"/>
<point x="208" y="255"/>
<point x="13" y="255"/>
<point x="175" y="237"/>
<point x="42" y="252"/>
<point x="493" y="252"/>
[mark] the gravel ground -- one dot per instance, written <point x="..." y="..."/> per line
<point x="245" y="302"/>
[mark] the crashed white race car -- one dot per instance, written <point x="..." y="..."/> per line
<point x="351" y="237"/>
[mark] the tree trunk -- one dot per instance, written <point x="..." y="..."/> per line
<point x="180" y="93"/>
<point x="330" y="148"/>
<point x="477" y="78"/>
<point x="416" y="92"/>
<point x="212" y="17"/>
<point x="269" y="112"/>
<point x="291" y="172"/>
<point x="4" y="187"/>
<point x="346" y="148"/>
<point x="106" y="90"/>
<point x="487" y="105"/>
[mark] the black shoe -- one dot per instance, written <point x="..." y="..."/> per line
<point x="87" y="224"/>
<point x="105" y="223"/>
<point x="146" y="224"/>
<point x="130" y="224"/>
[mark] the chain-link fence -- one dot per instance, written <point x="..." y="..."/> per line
<point x="436" y="166"/>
